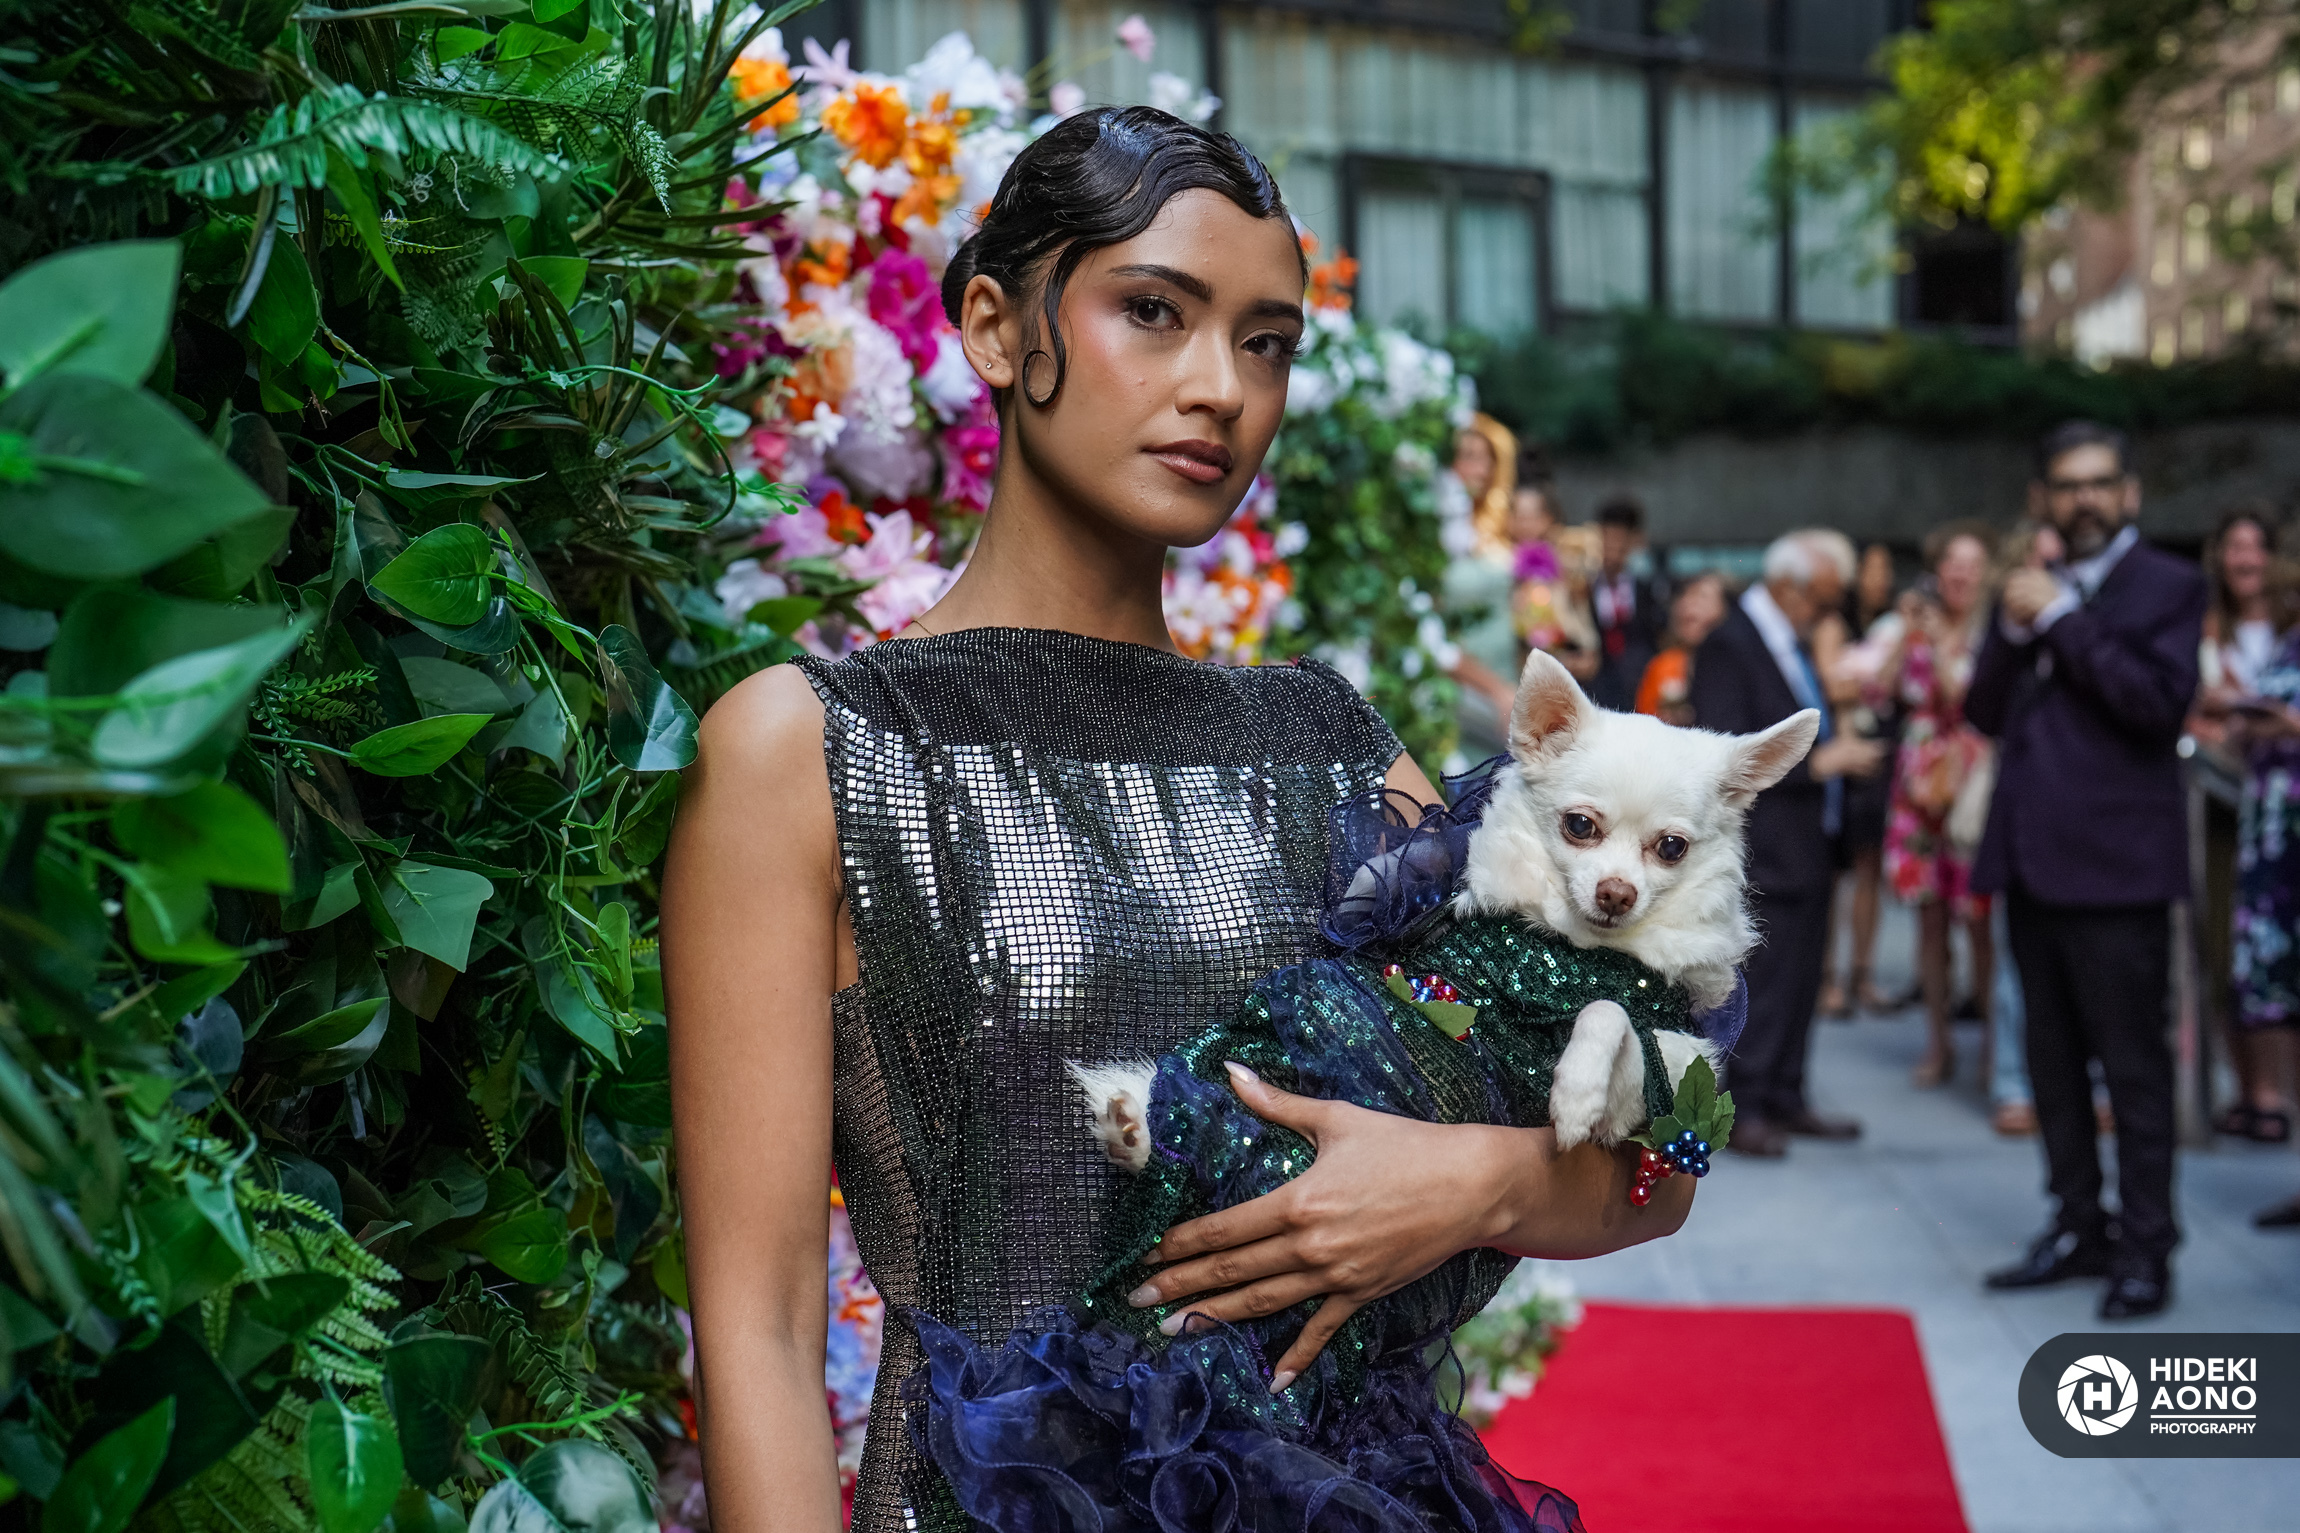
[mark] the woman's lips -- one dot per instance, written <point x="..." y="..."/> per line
<point x="1197" y="461"/>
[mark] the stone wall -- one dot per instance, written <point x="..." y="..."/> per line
<point x="1877" y="483"/>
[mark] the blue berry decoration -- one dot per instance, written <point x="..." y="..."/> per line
<point x="1678" y="1142"/>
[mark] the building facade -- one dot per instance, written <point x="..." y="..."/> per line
<point x="1484" y="186"/>
<point x="2196" y="260"/>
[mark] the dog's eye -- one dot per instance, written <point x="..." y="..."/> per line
<point x="1580" y="827"/>
<point x="1671" y="848"/>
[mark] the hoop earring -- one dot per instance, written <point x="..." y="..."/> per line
<point x="1024" y="379"/>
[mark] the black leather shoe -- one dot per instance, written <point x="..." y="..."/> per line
<point x="2136" y="1287"/>
<point x="2057" y="1256"/>
<point x="1754" y="1136"/>
<point x="1815" y="1125"/>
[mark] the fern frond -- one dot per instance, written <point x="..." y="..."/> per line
<point x="291" y="147"/>
<point x="551" y="105"/>
<point x="553" y="1388"/>
<point x="198" y="26"/>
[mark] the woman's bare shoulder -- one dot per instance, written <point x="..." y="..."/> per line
<point x="759" y="758"/>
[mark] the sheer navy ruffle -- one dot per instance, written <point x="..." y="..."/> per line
<point x="1392" y="864"/>
<point x="1078" y="1428"/>
<point x="1722" y="1025"/>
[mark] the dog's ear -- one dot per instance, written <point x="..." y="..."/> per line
<point x="1763" y="759"/>
<point x="1550" y="708"/>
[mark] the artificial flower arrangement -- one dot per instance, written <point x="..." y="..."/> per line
<point x="1502" y="1351"/>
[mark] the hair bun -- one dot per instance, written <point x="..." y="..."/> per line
<point x="958" y="273"/>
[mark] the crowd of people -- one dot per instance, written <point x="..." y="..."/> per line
<point x="2005" y="723"/>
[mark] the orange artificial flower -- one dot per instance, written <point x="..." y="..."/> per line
<point x="764" y="80"/>
<point x="1331" y="281"/>
<point x="872" y="122"/>
<point x="822" y="265"/>
<point x="925" y="198"/>
<point x="843" y="519"/>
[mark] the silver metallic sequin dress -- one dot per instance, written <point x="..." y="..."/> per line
<point x="1054" y="847"/>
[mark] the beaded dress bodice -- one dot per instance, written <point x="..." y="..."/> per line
<point x="1053" y="848"/>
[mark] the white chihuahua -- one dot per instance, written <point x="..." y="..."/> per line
<point x="1612" y="830"/>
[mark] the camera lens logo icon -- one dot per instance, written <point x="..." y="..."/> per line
<point x="2098" y="1395"/>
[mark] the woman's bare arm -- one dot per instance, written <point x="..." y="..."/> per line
<point x="752" y="951"/>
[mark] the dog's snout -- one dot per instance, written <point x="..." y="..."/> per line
<point x="1615" y="896"/>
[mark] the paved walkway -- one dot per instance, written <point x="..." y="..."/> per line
<point x="1912" y="1215"/>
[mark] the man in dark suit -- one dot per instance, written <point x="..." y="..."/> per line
<point x="1632" y="614"/>
<point x="2085" y="678"/>
<point x="1753" y="672"/>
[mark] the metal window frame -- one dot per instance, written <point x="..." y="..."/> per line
<point x="1453" y="181"/>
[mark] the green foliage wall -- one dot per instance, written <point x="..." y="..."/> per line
<point x="355" y="461"/>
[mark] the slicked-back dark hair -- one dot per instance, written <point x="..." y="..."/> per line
<point x="1093" y="180"/>
<point x="2068" y="436"/>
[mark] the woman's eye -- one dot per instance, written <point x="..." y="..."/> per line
<point x="1154" y="313"/>
<point x="1272" y="348"/>
<point x="1580" y="827"/>
<point x="1671" y="848"/>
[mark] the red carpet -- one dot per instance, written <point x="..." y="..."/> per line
<point x="1796" y="1421"/>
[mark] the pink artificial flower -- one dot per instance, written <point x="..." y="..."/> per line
<point x="1135" y="36"/>
<point x="1066" y="99"/>
<point x="804" y="534"/>
<point x="905" y="299"/>
<point x="969" y="461"/>
<point x="899" y="560"/>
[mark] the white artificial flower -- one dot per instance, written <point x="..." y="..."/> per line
<point x="1290" y="539"/>
<point x="950" y="385"/>
<point x="823" y="430"/>
<point x="1353" y="661"/>
<point x="767" y="46"/>
<point x="1309" y="390"/>
<point x="1413" y="461"/>
<point x="1172" y="93"/>
<point x="952" y="67"/>
<point x="744" y="586"/>
<point x="1430" y="634"/>
<point x="980" y="165"/>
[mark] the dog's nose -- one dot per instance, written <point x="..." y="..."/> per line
<point x="1615" y="895"/>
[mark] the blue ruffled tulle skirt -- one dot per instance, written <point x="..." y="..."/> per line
<point x="1075" y="1427"/>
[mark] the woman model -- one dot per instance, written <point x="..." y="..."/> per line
<point x="1940" y="753"/>
<point x="907" y="886"/>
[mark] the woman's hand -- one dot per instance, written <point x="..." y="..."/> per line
<point x="1389" y="1199"/>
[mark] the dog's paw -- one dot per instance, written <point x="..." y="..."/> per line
<point x="1118" y="1097"/>
<point x="1679" y="1050"/>
<point x="1582" y="1092"/>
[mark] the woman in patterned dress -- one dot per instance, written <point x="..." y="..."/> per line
<point x="2267" y="968"/>
<point x="905" y="887"/>
<point x="1938" y="756"/>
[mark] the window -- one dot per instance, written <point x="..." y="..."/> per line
<point x="2192" y="331"/>
<point x="2239" y="114"/>
<point x="2196" y="147"/>
<point x="2288" y="89"/>
<point x="2235" y="314"/>
<point x="1443" y="245"/>
<point x="2196" y="240"/>
<point x="2164" y="345"/>
<point x="2165" y="267"/>
<point x="2282" y="195"/>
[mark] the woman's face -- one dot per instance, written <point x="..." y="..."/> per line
<point x="2244" y="561"/>
<point x="1473" y="463"/>
<point x="1698" y="609"/>
<point x="1530" y="516"/>
<point x="1876" y="587"/>
<point x="1961" y="573"/>
<point x="1180" y="341"/>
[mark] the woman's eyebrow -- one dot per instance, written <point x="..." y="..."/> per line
<point x="1196" y="287"/>
<point x="1276" y="308"/>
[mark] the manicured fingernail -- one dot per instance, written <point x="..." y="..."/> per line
<point x="1143" y="1297"/>
<point x="1172" y="1325"/>
<point x="1282" y="1378"/>
<point x="1239" y="1074"/>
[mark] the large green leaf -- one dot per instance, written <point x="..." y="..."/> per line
<point x="169" y="916"/>
<point x="328" y="1030"/>
<point x="436" y="909"/>
<point x="168" y="709"/>
<point x="263" y="1320"/>
<point x="441" y="576"/>
<point x="530" y="1245"/>
<point x="123" y="483"/>
<point x="570" y="1486"/>
<point x="221" y="567"/>
<point x="214" y="832"/>
<point x="650" y="728"/>
<point x="285" y="315"/>
<point x="100" y="309"/>
<point x="443" y="686"/>
<point x="355" y="1467"/>
<point x="413" y="750"/>
<point x="212" y="1414"/>
<point x="433" y="1385"/>
<point x="112" y="633"/>
<point x="102" y="1488"/>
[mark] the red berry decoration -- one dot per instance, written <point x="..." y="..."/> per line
<point x="1393" y="971"/>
